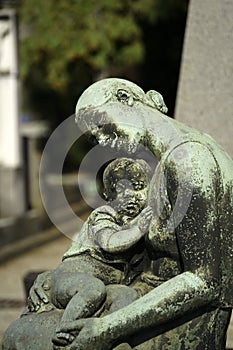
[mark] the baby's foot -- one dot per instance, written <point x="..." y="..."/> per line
<point x="62" y="339"/>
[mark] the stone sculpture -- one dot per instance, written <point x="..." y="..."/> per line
<point x="188" y="281"/>
<point x="103" y="250"/>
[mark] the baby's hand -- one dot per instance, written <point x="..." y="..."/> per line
<point x="144" y="219"/>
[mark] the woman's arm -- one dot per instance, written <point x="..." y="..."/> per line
<point x="178" y="297"/>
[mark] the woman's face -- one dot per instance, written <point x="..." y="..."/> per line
<point x="108" y="110"/>
<point x="120" y="137"/>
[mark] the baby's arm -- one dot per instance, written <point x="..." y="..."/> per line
<point x="117" y="239"/>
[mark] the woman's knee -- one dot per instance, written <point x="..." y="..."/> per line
<point x="32" y="331"/>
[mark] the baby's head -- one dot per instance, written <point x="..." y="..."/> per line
<point x="126" y="184"/>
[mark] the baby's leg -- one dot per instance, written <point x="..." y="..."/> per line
<point x="119" y="296"/>
<point x="82" y="297"/>
<point x="79" y="294"/>
<point x="89" y="294"/>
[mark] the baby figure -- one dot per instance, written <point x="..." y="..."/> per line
<point x="91" y="278"/>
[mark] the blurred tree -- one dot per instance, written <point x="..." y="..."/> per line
<point x="62" y="40"/>
<point x="66" y="45"/>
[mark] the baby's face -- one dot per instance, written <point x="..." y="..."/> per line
<point x="131" y="195"/>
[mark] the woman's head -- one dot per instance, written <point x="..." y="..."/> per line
<point x="111" y="110"/>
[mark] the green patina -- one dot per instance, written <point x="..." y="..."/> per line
<point x="185" y="285"/>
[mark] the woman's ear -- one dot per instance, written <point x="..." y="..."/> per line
<point x="155" y="99"/>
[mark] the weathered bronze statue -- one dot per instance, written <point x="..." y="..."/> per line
<point x="187" y="280"/>
<point x="103" y="251"/>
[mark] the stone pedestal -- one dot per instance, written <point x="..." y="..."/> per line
<point x="32" y="131"/>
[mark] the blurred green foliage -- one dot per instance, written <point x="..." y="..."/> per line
<point x="101" y="34"/>
<point x="67" y="44"/>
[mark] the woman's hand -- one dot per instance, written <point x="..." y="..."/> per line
<point x="88" y="334"/>
<point x="39" y="292"/>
